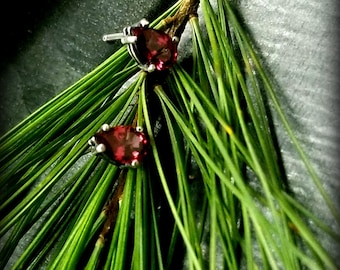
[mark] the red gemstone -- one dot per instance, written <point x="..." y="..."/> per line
<point x="154" y="47"/>
<point x="124" y="145"/>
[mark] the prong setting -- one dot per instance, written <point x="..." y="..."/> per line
<point x="92" y="141"/>
<point x="139" y="129"/>
<point x="105" y="127"/>
<point x="134" y="163"/>
<point x="175" y="39"/>
<point x="151" y="68"/>
<point x="152" y="49"/>
<point x="124" y="146"/>
<point x="100" y="148"/>
<point x="144" y="22"/>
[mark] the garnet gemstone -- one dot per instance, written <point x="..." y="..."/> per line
<point x="153" y="48"/>
<point x="124" y="145"/>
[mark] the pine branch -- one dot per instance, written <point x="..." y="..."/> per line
<point x="210" y="191"/>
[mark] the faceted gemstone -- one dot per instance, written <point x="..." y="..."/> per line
<point x="154" y="47"/>
<point x="124" y="145"/>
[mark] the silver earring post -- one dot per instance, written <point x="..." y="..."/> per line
<point x="123" y="38"/>
<point x="111" y="37"/>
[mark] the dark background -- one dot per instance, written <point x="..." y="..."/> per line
<point x="48" y="45"/>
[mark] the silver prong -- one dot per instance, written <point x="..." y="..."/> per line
<point x="129" y="39"/>
<point x="134" y="163"/>
<point x="100" y="148"/>
<point x="105" y="127"/>
<point x="144" y="22"/>
<point x="175" y="39"/>
<point x="115" y="36"/>
<point x="151" y="68"/>
<point x="92" y="141"/>
<point x="139" y="129"/>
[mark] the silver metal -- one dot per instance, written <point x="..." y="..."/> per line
<point x="123" y="38"/>
<point x="151" y="68"/>
<point x="144" y="22"/>
<point x="134" y="163"/>
<point x="127" y="38"/>
<point x="100" y="148"/>
<point x="110" y="37"/>
<point x="139" y="129"/>
<point x="105" y="127"/>
<point x="92" y="142"/>
<point x="175" y="39"/>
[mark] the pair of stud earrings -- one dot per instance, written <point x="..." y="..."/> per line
<point x="153" y="50"/>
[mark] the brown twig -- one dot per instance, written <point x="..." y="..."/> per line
<point x="112" y="208"/>
<point x="175" y="25"/>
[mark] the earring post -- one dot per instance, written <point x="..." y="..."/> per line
<point x="115" y="36"/>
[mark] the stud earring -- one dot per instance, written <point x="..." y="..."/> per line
<point x="124" y="146"/>
<point x="152" y="49"/>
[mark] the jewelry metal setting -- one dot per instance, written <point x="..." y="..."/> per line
<point x="124" y="146"/>
<point x="151" y="49"/>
